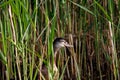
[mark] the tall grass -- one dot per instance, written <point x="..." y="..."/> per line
<point x="28" y="28"/>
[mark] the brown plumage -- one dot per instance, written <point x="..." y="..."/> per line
<point x="57" y="44"/>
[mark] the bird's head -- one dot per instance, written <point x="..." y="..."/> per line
<point x="59" y="43"/>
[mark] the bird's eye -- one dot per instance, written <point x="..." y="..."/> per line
<point x="65" y="42"/>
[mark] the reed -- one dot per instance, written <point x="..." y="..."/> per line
<point x="28" y="28"/>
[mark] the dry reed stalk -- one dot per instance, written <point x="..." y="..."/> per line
<point x="14" y="39"/>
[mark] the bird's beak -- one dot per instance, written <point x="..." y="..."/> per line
<point x="68" y="45"/>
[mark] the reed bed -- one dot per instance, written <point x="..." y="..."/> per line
<point x="28" y="28"/>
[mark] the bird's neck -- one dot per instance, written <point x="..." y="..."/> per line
<point x="55" y="53"/>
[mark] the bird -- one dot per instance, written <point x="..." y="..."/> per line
<point x="58" y="43"/>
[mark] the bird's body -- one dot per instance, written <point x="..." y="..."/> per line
<point x="57" y="44"/>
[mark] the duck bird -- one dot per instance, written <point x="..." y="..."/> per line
<point x="57" y="44"/>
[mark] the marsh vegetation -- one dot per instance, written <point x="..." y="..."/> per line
<point x="28" y="28"/>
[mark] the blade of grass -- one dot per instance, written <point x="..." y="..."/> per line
<point x="82" y="7"/>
